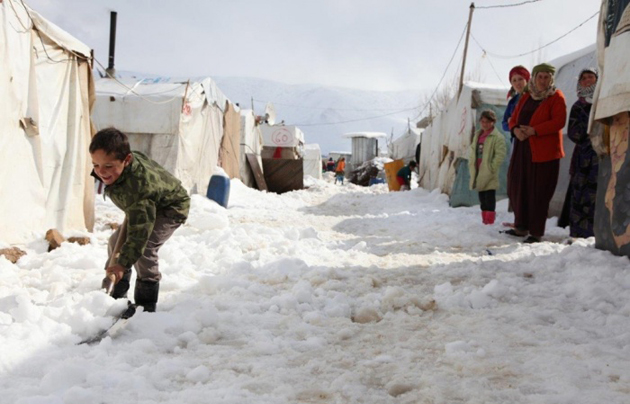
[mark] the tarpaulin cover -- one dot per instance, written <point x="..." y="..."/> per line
<point x="312" y="160"/>
<point x="44" y="127"/>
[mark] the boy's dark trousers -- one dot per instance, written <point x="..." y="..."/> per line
<point x="147" y="270"/>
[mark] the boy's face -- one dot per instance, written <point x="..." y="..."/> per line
<point x="107" y="166"/>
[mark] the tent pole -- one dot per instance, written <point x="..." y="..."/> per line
<point x="461" y="77"/>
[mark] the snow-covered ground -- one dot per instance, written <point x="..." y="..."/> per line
<point x="333" y="294"/>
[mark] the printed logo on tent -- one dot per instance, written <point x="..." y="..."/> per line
<point x="187" y="110"/>
<point x="282" y="137"/>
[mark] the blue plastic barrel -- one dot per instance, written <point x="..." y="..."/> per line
<point x="219" y="190"/>
<point x="376" y="181"/>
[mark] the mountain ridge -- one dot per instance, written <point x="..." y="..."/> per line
<point x="325" y="113"/>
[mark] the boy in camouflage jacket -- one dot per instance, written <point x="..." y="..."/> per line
<point x="155" y="205"/>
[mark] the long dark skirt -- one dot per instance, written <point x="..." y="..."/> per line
<point x="583" y="193"/>
<point x="531" y="188"/>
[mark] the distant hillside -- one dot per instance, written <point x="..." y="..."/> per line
<point x="309" y="106"/>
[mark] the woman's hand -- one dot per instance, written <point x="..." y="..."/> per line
<point x="520" y="133"/>
<point x="529" y="131"/>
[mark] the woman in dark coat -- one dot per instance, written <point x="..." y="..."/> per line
<point x="536" y="124"/>
<point x="584" y="163"/>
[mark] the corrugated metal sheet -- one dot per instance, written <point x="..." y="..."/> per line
<point x="363" y="149"/>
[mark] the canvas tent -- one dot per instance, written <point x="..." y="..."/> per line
<point x="45" y="93"/>
<point x="180" y="124"/>
<point x="251" y="143"/>
<point x="610" y="119"/>
<point x="568" y="68"/>
<point x="445" y="143"/>
<point x="404" y="147"/>
<point x="312" y="161"/>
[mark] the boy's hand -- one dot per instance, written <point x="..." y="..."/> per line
<point x="117" y="270"/>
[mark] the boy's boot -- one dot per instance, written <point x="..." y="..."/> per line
<point x="146" y="295"/>
<point x="491" y="216"/>
<point x="121" y="288"/>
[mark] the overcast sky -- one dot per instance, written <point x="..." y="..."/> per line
<point x="364" y="44"/>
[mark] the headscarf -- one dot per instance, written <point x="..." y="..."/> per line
<point x="521" y="71"/>
<point x="587" y="92"/>
<point x="534" y="92"/>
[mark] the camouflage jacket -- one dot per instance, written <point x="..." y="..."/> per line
<point x="143" y="191"/>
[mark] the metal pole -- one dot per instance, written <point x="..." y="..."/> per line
<point x="112" y="43"/>
<point x="461" y="77"/>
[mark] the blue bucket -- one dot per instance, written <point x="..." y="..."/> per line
<point x="219" y="190"/>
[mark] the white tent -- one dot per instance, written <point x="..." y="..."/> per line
<point x="404" y="147"/>
<point x="251" y="143"/>
<point x="179" y="124"/>
<point x="312" y="160"/>
<point x="44" y="125"/>
<point x="445" y="142"/>
<point x="613" y="41"/>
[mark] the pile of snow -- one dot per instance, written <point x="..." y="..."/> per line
<point x="338" y="294"/>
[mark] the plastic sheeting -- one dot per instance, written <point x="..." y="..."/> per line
<point x="44" y="125"/>
<point x="611" y="107"/>
<point x="313" y="161"/>
<point x="613" y="43"/>
<point x="445" y="143"/>
<point x="404" y="147"/>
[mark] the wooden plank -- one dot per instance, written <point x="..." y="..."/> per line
<point x="257" y="170"/>
<point x="229" y="152"/>
<point x="283" y="175"/>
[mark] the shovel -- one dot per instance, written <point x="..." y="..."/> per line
<point x="110" y="280"/>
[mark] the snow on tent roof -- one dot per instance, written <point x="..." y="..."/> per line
<point x="568" y="58"/>
<point x="310" y="148"/>
<point x="150" y="105"/>
<point x="365" y="134"/>
<point x="161" y="88"/>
